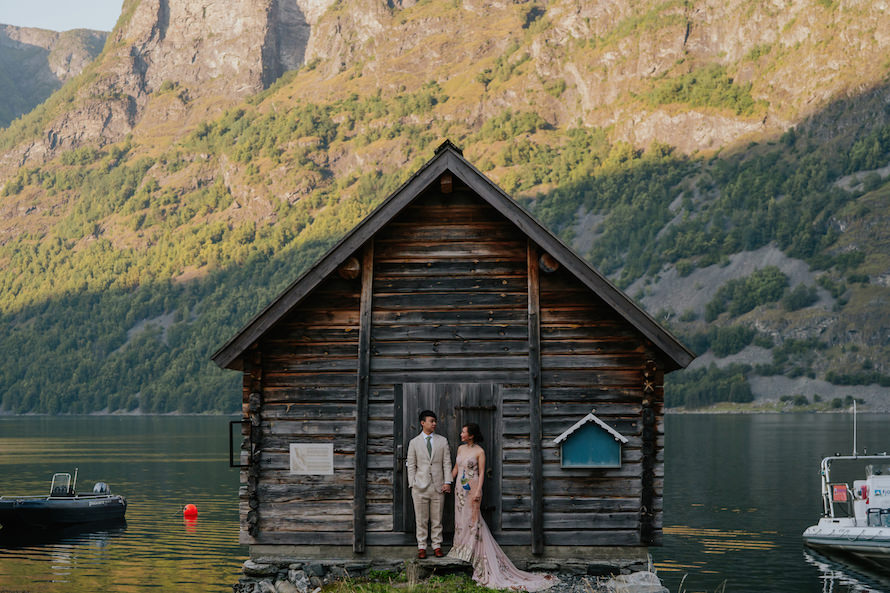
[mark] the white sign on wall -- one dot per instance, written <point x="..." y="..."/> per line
<point x="312" y="459"/>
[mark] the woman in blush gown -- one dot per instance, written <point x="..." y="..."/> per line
<point x="473" y="541"/>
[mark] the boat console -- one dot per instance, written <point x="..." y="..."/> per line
<point x="61" y="485"/>
<point x="872" y="498"/>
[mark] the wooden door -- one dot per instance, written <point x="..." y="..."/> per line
<point x="454" y="405"/>
<point x="480" y="403"/>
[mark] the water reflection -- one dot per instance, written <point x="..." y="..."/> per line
<point x="844" y="575"/>
<point x="159" y="464"/>
<point x="191" y="524"/>
<point x="95" y="534"/>
<point x="739" y="490"/>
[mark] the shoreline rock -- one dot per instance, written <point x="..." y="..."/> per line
<point x="265" y="575"/>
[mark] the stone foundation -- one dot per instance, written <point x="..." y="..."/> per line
<point x="278" y="575"/>
<point x="283" y="575"/>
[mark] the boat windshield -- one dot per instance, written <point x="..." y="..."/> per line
<point x="60" y="485"/>
<point x="877" y="469"/>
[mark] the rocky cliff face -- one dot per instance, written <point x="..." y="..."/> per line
<point x="35" y="62"/>
<point x="228" y="48"/>
<point x="220" y="52"/>
<point x="798" y="58"/>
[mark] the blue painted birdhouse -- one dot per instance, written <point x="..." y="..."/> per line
<point x="590" y="443"/>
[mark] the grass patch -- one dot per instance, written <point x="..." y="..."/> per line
<point x="386" y="582"/>
<point x="710" y="86"/>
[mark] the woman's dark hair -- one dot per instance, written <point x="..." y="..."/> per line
<point x="428" y="413"/>
<point x="474" y="431"/>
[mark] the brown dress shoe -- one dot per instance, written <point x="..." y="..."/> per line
<point x="438" y="552"/>
<point x="421" y="554"/>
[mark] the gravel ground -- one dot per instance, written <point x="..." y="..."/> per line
<point x="576" y="584"/>
<point x="634" y="583"/>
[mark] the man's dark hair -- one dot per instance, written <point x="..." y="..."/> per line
<point x="426" y="413"/>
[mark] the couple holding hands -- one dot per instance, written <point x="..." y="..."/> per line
<point x="430" y="476"/>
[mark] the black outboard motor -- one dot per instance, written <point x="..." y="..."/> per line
<point x="101" y="488"/>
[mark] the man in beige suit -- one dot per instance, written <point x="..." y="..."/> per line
<point x="429" y="477"/>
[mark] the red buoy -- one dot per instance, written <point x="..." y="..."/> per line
<point x="190" y="510"/>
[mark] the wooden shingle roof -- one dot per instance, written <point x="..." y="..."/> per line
<point x="450" y="158"/>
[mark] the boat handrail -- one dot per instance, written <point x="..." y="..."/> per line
<point x="827" y="507"/>
<point x="40" y="496"/>
<point x="45" y="497"/>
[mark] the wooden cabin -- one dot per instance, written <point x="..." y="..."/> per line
<point x="450" y="296"/>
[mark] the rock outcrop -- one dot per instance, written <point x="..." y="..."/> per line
<point x="595" y="59"/>
<point x="34" y="63"/>
<point x="219" y="50"/>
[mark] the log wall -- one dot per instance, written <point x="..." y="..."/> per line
<point x="309" y="386"/>
<point x="450" y="305"/>
<point x="593" y="359"/>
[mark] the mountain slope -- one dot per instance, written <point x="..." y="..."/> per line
<point x="723" y="162"/>
<point x="34" y="63"/>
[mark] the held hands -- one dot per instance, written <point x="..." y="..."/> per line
<point x="446" y="488"/>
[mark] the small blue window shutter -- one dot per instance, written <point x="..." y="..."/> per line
<point x="590" y="446"/>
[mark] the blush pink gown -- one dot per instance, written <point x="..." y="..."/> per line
<point x="474" y="543"/>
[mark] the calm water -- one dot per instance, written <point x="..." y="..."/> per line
<point x="160" y="464"/>
<point x="739" y="491"/>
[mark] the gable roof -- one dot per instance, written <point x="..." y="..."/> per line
<point x="591" y="418"/>
<point x="448" y="157"/>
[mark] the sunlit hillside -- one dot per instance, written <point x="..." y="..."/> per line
<point x="725" y="164"/>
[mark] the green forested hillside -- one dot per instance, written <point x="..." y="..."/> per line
<point x="124" y="265"/>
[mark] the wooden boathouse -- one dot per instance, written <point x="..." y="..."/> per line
<point x="450" y="296"/>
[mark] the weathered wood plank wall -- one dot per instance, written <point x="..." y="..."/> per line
<point x="449" y="295"/>
<point x="592" y="358"/>
<point x="450" y="305"/>
<point x="309" y="394"/>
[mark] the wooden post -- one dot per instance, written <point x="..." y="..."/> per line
<point x="534" y="400"/>
<point x="647" y="500"/>
<point x="398" y="459"/>
<point x="361" y="401"/>
<point x="253" y="379"/>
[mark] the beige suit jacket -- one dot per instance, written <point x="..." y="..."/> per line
<point x="425" y="472"/>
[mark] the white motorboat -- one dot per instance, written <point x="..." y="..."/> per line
<point x="855" y="520"/>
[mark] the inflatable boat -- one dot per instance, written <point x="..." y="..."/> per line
<point x="855" y="519"/>
<point x="63" y="506"/>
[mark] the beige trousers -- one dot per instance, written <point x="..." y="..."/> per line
<point x="428" y="510"/>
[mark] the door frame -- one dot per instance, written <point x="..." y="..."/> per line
<point x="403" y="505"/>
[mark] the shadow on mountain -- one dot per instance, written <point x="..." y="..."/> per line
<point x="145" y="350"/>
<point x="25" y="78"/>
<point x="148" y="349"/>
<point x="658" y="208"/>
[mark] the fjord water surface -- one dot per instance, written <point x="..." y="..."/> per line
<point x="739" y="491"/>
<point x="160" y="463"/>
